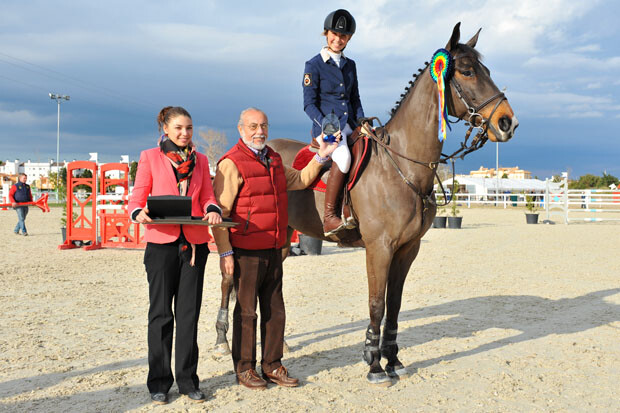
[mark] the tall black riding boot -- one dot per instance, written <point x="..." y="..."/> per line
<point x="332" y="222"/>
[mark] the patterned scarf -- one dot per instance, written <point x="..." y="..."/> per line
<point x="182" y="160"/>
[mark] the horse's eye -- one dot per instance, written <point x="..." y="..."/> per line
<point x="467" y="73"/>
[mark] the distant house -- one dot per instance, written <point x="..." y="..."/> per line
<point x="511" y="173"/>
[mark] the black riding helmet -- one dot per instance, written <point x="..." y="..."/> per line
<point x="340" y="21"/>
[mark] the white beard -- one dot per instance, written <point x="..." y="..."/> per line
<point x="257" y="146"/>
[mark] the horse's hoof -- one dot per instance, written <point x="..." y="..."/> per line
<point x="379" y="379"/>
<point x="286" y="348"/>
<point x="221" y="349"/>
<point x="397" y="372"/>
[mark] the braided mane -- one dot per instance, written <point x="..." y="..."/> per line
<point x="461" y="47"/>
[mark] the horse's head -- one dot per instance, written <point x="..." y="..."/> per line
<point x="473" y="94"/>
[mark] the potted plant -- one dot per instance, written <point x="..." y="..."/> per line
<point x="440" y="218"/>
<point x="454" y="221"/>
<point x="531" y="217"/>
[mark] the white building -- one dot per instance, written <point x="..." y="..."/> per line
<point x="10" y="167"/>
<point x="481" y="187"/>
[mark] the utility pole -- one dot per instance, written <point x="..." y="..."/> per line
<point x="58" y="98"/>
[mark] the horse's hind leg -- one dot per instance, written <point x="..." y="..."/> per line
<point x="396" y="280"/>
<point x="377" y="263"/>
<point x="221" y="325"/>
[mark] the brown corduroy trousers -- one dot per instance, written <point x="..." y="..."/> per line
<point x="258" y="277"/>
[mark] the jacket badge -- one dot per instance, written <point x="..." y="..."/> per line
<point x="307" y="79"/>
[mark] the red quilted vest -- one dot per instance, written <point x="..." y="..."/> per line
<point x="261" y="207"/>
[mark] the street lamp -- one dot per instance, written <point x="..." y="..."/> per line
<point x="58" y="98"/>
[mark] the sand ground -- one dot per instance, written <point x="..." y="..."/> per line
<point x="497" y="316"/>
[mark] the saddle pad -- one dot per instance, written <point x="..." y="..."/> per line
<point x="303" y="158"/>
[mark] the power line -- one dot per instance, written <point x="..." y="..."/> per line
<point x="54" y="74"/>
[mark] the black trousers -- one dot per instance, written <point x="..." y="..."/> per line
<point x="258" y="278"/>
<point x="171" y="279"/>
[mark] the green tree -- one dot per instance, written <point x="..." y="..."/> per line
<point x="607" y="180"/>
<point x="133" y="169"/>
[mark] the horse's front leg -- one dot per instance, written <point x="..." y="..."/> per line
<point x="221" y="325"/>
<point x="378" y="260"/>
<point x="403" y="258"/>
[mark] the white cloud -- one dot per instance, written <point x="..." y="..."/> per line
<point x="573" y="61"/>
<point x="568" y="105"/>
<point x="23" y="118"/>
<point x="509" y="28"/>
<point x="588" y="48"/>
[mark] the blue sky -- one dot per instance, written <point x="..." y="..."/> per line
<point x="122" y="61"/>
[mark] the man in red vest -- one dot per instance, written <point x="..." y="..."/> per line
<point x="250" y="186"/>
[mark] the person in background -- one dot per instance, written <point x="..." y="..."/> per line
<point x="20" y="192"/>
<point x="175" y="255"/>
<point x="250" y="185"/>
<point x="330" y="85"/>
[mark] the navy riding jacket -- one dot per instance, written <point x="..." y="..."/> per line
<point x="328" y="87"/>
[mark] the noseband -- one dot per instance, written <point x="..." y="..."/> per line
<point x="475" y="120"/>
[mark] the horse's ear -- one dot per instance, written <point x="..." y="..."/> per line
<point x="472" y="42"/>
<point x="454" y="40"/>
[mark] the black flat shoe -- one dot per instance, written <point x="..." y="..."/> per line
<point x="159" y="398"/>
<point x="196" y="396"/>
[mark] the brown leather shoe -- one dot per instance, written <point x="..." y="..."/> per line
<point x="280" y="377"/>
<point x="251" y="380"/>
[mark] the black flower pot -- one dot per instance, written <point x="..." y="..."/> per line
<point x="309" y="245"/>
<point x="454" y="222"/>
<point x="439" y="222"/>
<point x="531" y="218"/>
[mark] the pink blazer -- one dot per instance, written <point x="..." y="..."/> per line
<point x="156" y="177"/>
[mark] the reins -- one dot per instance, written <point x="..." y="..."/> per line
<point x="481" y="137"/>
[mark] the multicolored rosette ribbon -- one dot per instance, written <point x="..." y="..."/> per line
<point x="440" y="69"/>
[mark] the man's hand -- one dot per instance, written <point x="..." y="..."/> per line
<point x="14" y="204"/>
<point x="143" y="216"/>
<point x="326" y="148"/>
<point x="227" y="265"/>
<point x="213" y="218"/>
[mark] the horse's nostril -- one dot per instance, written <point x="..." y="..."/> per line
<point x="504" y="123"/>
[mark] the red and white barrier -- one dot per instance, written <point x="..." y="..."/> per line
<point x="115" y="228"/>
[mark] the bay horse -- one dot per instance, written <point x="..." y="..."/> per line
<point x="393" y="200"/>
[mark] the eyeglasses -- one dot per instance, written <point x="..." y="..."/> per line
<point x="254" y="126"/>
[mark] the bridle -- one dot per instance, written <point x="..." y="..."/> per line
<point x="475" y="120"/>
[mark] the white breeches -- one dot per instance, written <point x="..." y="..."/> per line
<point x="342" y="155"/>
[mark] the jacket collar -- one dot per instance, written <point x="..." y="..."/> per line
<point x="325" y="55"/>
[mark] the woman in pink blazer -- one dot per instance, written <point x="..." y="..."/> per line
<point x="175" y="255"/>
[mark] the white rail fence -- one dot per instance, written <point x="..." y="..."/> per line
<point x="585" y="205"/>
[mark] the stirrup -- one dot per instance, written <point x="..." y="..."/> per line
<point x="336" y="230"/>
<point x="349" y="223"/>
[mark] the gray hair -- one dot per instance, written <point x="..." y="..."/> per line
<point x="250" y="109"/>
